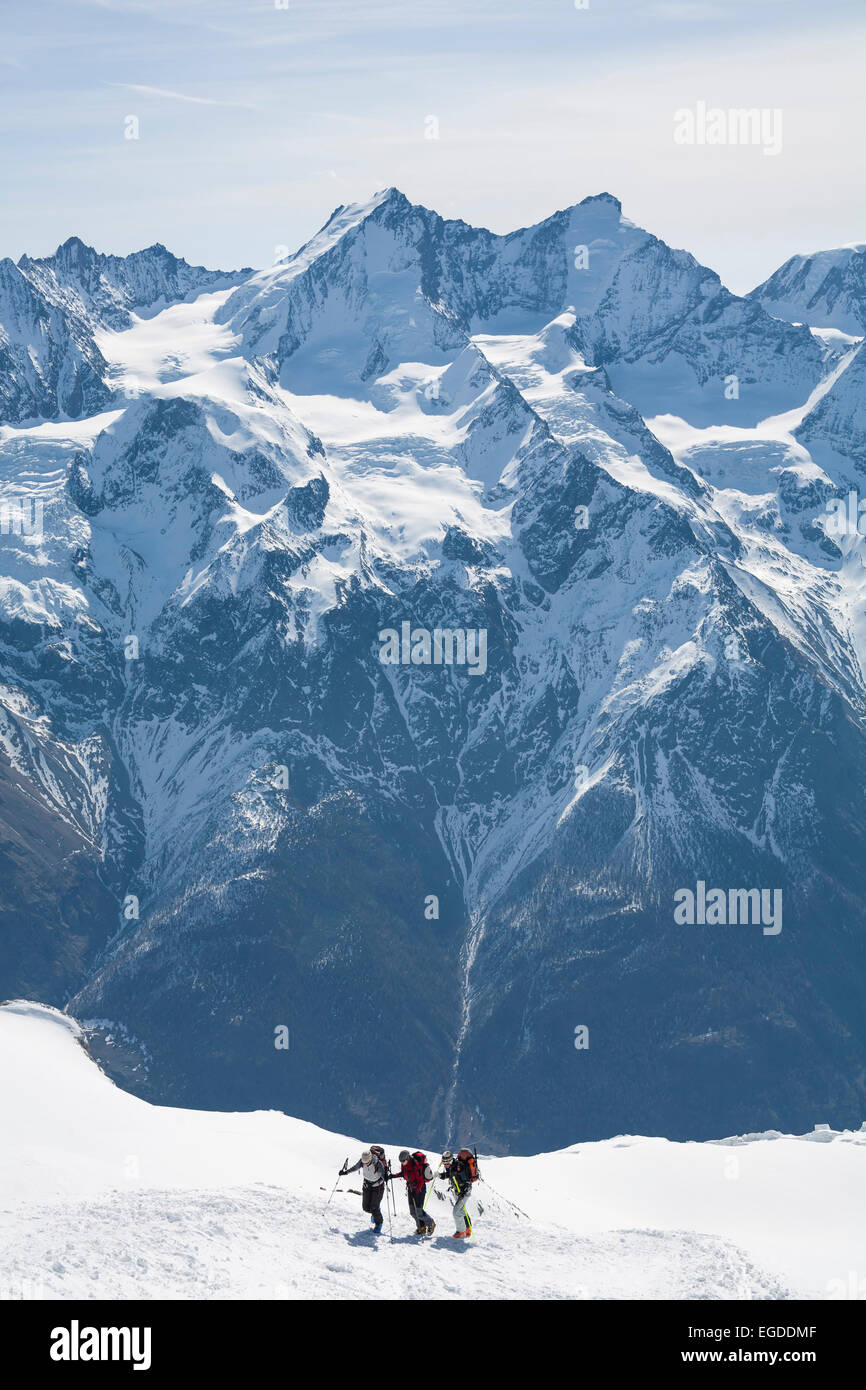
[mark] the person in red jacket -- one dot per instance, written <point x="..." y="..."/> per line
<point x="416" y="1173"/>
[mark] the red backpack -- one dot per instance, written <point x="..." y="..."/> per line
<point x="413" y="1171"/>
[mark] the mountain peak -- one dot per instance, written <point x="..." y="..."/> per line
<point x="391" y="194"/>
<point x="73" y="251"/>
<point x="74" y="243"/>
<point x="157" y="249"/>
<point x="70" y="253"/>
<point x="386" y="199"/>
<point x="383" y="197"/>
<point x="601" y="198"/>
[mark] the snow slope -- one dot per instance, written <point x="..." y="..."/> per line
<point x="106" y="1196"/>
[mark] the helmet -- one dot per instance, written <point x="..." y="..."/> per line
<point x="448" y="1155"/>
<point x="405" y="1155"/>
<point x="378" y="1150"/>
<point x="366" y="1156"/>
<point x="464" y="1153"/>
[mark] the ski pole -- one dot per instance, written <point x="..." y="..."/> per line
<point x="466" y="1216"/>
<point x="388" y="1205"/>
<point x="433" y="1183"/>
<point x="334" y="1188"/>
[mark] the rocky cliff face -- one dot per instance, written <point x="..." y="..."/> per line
<point x="50" y="365"/>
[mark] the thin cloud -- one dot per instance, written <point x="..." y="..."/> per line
<point x="147" y="91"/>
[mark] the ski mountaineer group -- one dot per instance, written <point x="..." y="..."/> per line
<point x="459" y="1172"/>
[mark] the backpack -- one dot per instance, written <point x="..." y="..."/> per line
<point x="414" y="1171"/>
<point x="470" y="1162"/>
<point x="378" y="1154"/>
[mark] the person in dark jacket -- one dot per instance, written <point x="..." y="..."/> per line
<point x="374" y="1175"/>
<point x="458" y="1172"/>
<point x="416" y="1173"/>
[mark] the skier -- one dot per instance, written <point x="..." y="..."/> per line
<point x="461" y="1173"/>
<point x="416" y="1173"/>
<point x="374" y="1185"/>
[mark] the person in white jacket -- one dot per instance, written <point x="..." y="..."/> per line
<point x="373" y="1172"/>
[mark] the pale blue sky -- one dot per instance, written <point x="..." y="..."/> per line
<point x="256" y="121"/>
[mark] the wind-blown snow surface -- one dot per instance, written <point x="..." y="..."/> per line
<point x="243" y="821"/>
<point x="106" y="1196"/>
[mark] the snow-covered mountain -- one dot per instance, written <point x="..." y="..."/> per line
<point x="51" y="310"/>
<point x="571" y="439"/>
<point x="825" y="290"/>
<point x="106" y="1197"/>
<point x="386" y="280"/>
<point x="110" y="289"/>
